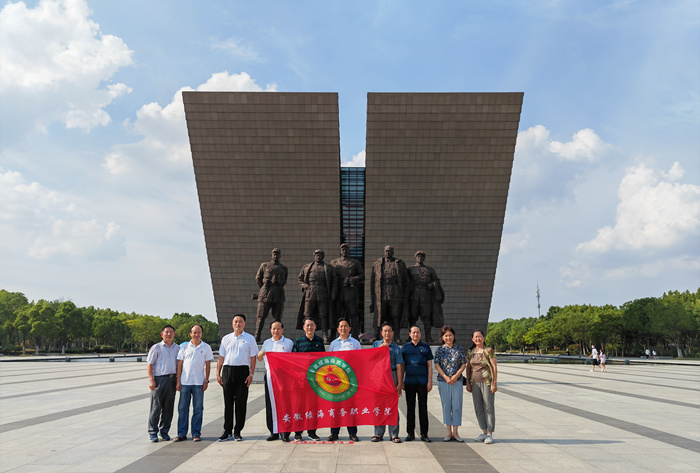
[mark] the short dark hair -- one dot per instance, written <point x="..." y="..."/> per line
<point x="411" y="327"/>
<point x="167" y="326"/>
<point x="307" y="319"/>
<point x="385" y="324"/>
<point x="445" y="329"/>
<point x="343" y="319"/>
<point x="239" y="315"/>
<point x="277" y="321"/>
<point x="197" y="325"/>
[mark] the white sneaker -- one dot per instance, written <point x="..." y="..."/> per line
<point x="488" y="439"/>
<point x="480" y="438"/>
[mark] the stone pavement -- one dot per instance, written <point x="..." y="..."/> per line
<point x="92" y="416"/>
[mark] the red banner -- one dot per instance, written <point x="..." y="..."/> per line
<point x="331" y="389"/>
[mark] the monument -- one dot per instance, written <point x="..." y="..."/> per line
<point x="437" y="174"/>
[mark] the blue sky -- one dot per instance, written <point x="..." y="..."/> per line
<point x="97" y="196"/>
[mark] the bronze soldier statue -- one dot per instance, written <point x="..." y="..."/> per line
<point x="271" y="278"/>
<point x="317" y="280"/>
<point x="388" y="291"/>
<point x="349" y="276"/>
<point x="425" y="296"/>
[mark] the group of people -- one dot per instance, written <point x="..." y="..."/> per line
<point x="186" y="368"/>
<point x="598" y="358"/>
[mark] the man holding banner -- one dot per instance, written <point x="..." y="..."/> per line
<point x="312" y="390"/>
<point x="309" y="343"/>
<point x="397" y="366"/>
<point x="280" y="344"/>
<point x="344" y="342"/>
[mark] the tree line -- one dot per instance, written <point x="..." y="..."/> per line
<point x="60" y="325"/>
<point x="669" y="324"/>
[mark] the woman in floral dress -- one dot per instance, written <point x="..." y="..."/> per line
<point x="450" y="362"/>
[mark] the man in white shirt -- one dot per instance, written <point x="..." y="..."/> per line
<point x="278" y="343"/>
<point x="193" y="367"/>
<point x="234" y="372"/>
<point x="162" y="369"/>
<point x="594" y="357"/>
<point x="344" y="342"/>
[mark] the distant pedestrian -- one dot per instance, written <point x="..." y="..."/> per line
<point x="653" y="354"/>
<point x="647" y="353"/>
<point x="193" y="367"/>
<point x="603" y="358"/>
<point x="594" y="357"/>
<point x="481" y="382"/>
<point x="162" y="372"/>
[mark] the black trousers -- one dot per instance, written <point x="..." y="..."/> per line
<point x="268" y="406"/>
<point x="422" y="392"/>
<point x="235" y="397"/>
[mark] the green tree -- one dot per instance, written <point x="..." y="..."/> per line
<point x="108" y="328"/>
<point x="145" y="330"/>
<point x="72" y="325"/>
<point x="10" y="303"/>
<point x="540" y="336"/>
<point x="42" y="320"/>
<point x="497" y="334"/>
<point x="22" y="324"/>
<point x="673" y="319"/>
<point x="636" y="323"/>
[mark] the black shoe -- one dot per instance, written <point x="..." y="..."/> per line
<point x="314" y="437"/>
<point x="425" y="438"/>
<point x="410" y="437"/>
<point x="237" y="437"/>
<point x="273" y="437"/>
<point x="225" y="437"/>
<point x="333" y="437"/>
<point x="165" y="437"/>
<point x="298" y="437"/>
<point x="354" y="438"/>
<point x="285" y="438"/>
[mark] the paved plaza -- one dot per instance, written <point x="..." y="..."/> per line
<point x="92" y="416"/>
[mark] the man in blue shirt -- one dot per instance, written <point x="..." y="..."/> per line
<point x="396" y="373"/>
<point x="418" y="381"/>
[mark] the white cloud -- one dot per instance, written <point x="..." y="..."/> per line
<point x="42" y="223"/>
<point x="164" y="129"/>
<point x="236" y="50"/>
<point x="585" y="145"/>
<point x="55" y="62"/>
<point x="655" y="268"/>
<point x="512" y="241"/>
<point x="545" y="170"/>
<point x="653" y="212"/>
<point x="357" y="161"/>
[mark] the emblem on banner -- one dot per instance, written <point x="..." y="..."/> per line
<point x="332" y="379"/>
